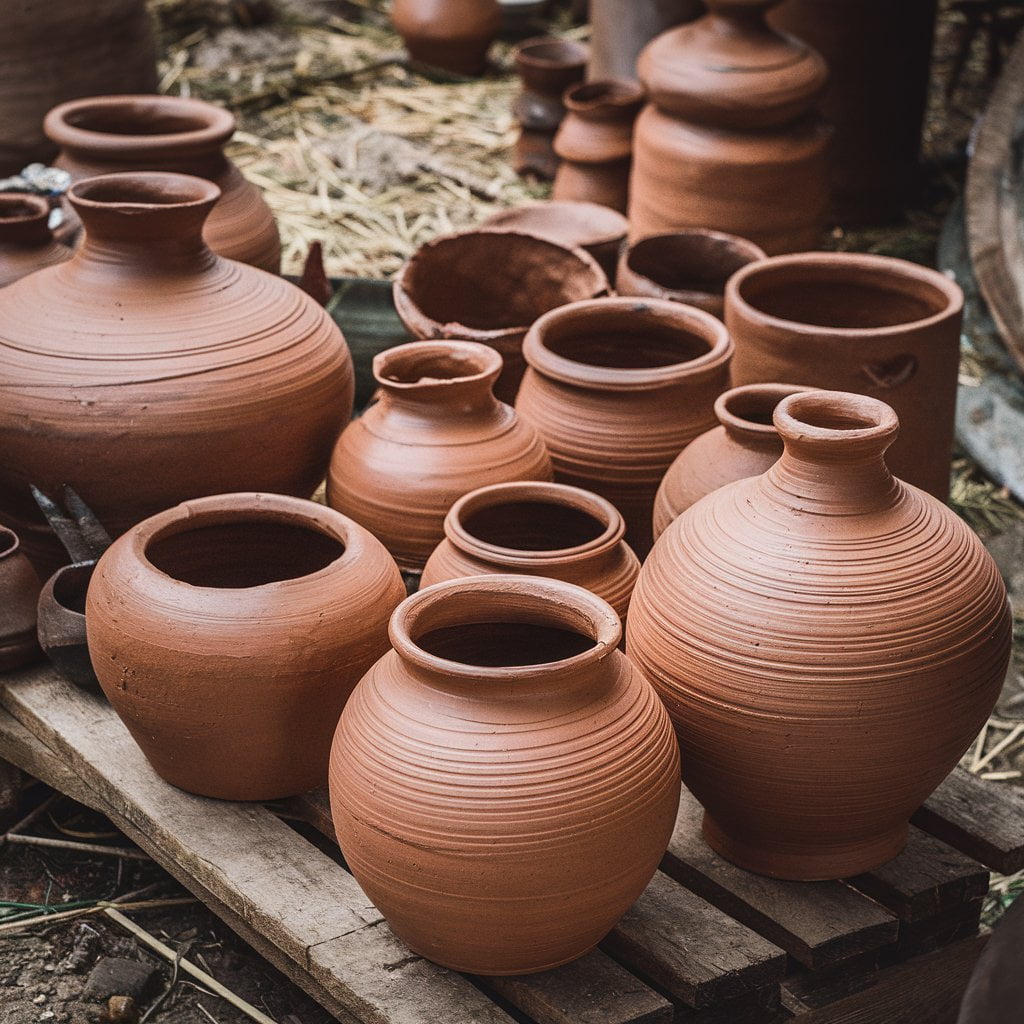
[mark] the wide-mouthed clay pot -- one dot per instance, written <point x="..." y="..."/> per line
<point x="538" y="529"/>
<point x="19" y="593"/>
<point x="228" y="633"/>
<point x="26" y="242"/>
<point x="490" y="286"/>
<point x="436" y="432"/>
<point x="450" y="34"/>
<point x="857" y="322"/>
<point x="504" y="782"/>
<point x="828" y="641"/>
<point x="153" y="370"/>
<point x="744" y="444"/>
<point x="617" y="388"/>
<point x="104" y="134"/>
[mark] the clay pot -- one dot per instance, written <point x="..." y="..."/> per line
<point x="26" y="242"/>
<point x="19" y="592"/>
<point x="619" y="30"/>
<point x="689" y="266"/>
<point x="62" y="634"/>
<point x="745" y="444"/>
<point x="729" y="139"/>
<point x="595" y="142"/>
<point x="828" y="641"/>
<point x="228" y="632"/>
<point x="450" y="34"/>
<point x="504" y="782"/>
<point x="490" y="286"/>
<point x="617" y="388"/>
<point x="538" y="529"/>
<point x="168" y="133"/>
<point x="863" y="323"/>
<point x="154" y="371"/>
<point x="436" y="433"/>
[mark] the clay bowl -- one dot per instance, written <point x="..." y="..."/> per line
<point x="26" y="242"/>
<point x="62" y="623"/>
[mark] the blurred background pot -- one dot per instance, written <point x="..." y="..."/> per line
<point x="619" y="30"/>
<point x="450" y="34"/>
<point x="19" y="594"/>
<point x="26" y="242"/>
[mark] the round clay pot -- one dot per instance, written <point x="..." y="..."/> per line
<point x="26" y="242"/>
<point x="856" y="322"/>
<point x="436" y="433"/>
<point x="490" y="286"/>
<point x="228" y="632"/>
<point x="503" y="782"/>
<point x="617" y="388"/>
<point x="168" y="133"/>
<point x="828" y="641"/>
<point x="450" y="34"/>
<point x="689" y="266"/>
<point x="745" y="444"/>
<point x="62" y="633"/>
<point x="155" y="371"/>
<point x="538" y="529"/>
<point x="19" y="593"/>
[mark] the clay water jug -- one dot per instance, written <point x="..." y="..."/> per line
<point x="26" y="242"/>
<point x="450" y="34"/>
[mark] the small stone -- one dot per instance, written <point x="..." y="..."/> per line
<point x="40" y="999"/>
<point x="118" y="976"/>
<point x="122" y="1010"/>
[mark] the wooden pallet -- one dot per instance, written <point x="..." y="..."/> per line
<point x="706" y="943"/>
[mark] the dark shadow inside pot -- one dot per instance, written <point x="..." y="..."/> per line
<point x="70" y="586"/>
<point x="533" y="526"/>
<point x="503" y="644"/>
<point x="133" y="118"/>
<point x="16" y="209"/>
<point x="633" y="346"/>
<point x="686" y="262"/>
<point x="821" y="410"/>
<point x="755" y="408"/>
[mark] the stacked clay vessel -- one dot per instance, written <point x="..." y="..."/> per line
<point x="504" y="782"/>
<point x="450" y="34"/>
<point x="828" y="641"/>
<point x="26" y="242"/>
<point x="19" y="593"/>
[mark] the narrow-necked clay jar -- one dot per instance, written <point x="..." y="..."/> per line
<point x="504" y="782"/>
<point x="744" y="444"/>
<point x="858" y="322"/>
<point x="153" y="370"/>
<point x="617" y="388"/>
<point x="436" y="432"/>
<point x="19" y="594"/>
<point x="103" y="134"/>
<point x="228" y="633"/>
<point x="450" y="34"/>
<point x="538" y="529"/>
<point x="690" y="266"/>
<point x="828" y="641"/>
<point x="26" y="242"/>
<point x="490" y="286"/>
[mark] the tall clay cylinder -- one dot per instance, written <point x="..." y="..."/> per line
<point x="620" y="29"/>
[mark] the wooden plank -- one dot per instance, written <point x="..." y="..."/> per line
<point x="918" y="937"/>
<point x="763" y="1007"/>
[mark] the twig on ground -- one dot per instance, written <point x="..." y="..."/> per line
<point x="128" y="853"/>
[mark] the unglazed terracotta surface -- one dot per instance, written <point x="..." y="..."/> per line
<point x="19" y="593"/>
<point x="538" y="529"/>
<point x="228" y="633"/>
<point x="828" y="641"/>
<point x="104" y="134"/>
<point x="504" y="782"/>
<point x="26" y="242"/>
<point x="436" y="432"/>
<point x="857" y="322"/>
<point x="449" y="34"/>
<point x="617" y="388"/>
<point x="154" y="371"/>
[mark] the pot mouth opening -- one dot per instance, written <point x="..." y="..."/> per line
<point x="141" y="191"/>
<point x="603" y="92"/>
<point x="844" y="421"/>
<point x="9" y="542"/>
<point x="424" y="363"/>
<point x="553" y="52"/>
<point x="750" y="408"/>
<point x="691" y="261"/>
<point x="19" y="209"/>
<point x="503" y="644"/>
<point x="70" y="586"/>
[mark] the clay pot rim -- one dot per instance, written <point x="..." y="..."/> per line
<point x="795" y="417"/>
<point x="184" y="192"/>
<point x="613" y="95"/>
<point x="38" y="209"/>
<point x="10" y="542"/>
<point x="488" y="359"/>
<point x="50" y="587"/>
<point x="509" y="219"/>
<point x="525" y="52"/>
<point x="539" y="492"/>
<point x="549" y="602"/>
<point x="735" y="423"/>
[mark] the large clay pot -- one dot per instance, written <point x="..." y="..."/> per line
<point x="450" y="34"/>
<point x="228" y="633"/>
<point x="828" y="641"/>
<point x="538" y="529"/>
<point x="619" y="30"/>
<point x="490" y="286"/>
<point x="856" y="322"/>
<point x="19" y="593"/>
<point x="26" y="242"/>
<point x="168" y="133"/>
<point x="729" y="139"/>
<point x="436" y="433"/>
<point x="617" y="388"/>
<point x="504" y="782"/>
<point x="154" y="371"/>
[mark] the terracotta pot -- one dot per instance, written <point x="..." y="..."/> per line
<point x="729" y="139"/>
<point x="19" y="592"/>
<point x="56" y="50"/>
<point x="828" y="641"/>
<point x="856" y="322"/>
<point x="450" y="34"/>
<point x="155" y="371"/>
<point x="538" y="529"/>
<point x="62" y="633"/>
<point x="436" y="433"/>
<point x="745" y="444"/>
<point x="617" y="388"/>
<point x="595" y="142"/>
<point x="619" y="30"/>
<point x="304" y="593"/>
<point x="504" y="782"/>
<point x="689" y="266"/>
<point x="26" y="242"/>
<point x="168" y="133"/>
<point x="490" y="286"/>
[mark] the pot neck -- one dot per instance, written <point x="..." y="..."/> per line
<point x="24" y="220"/>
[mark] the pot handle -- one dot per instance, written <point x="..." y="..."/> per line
<point x="891" y="373"/>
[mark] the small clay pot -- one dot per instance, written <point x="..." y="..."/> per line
<point x="617" y="388"/>
<point x="62" y="633"/>
<point x="228" y="632"/>
<point x="538" y="529"/>
<point x="490" y="286"/>
<point x="450" y="34"/>
<point x="26" y="242"/>
<point x="690" y="266"/>
<point x="19" y="593"/>
<point x="504" y="782"/>
<point x="436" y="433"/>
